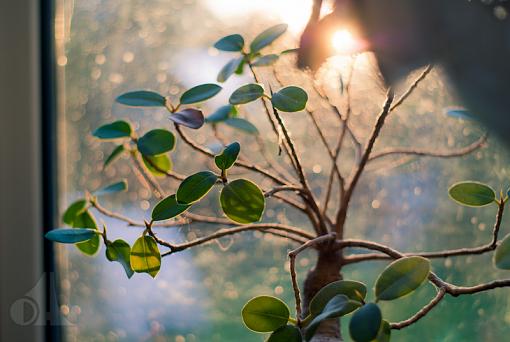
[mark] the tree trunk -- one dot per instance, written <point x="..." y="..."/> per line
<point x="326" y="270"/>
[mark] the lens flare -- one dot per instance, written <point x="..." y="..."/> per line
<point x="344" y="42"/>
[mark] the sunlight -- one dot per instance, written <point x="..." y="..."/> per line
<point x="344" y="42"/>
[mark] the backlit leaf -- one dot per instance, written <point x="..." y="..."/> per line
<point x="232" y="43"/>
<point x="228" y="157"/>
<point x="200" y="93"/>
<point x="114" y="130"/>
<point x="145" y="256"/>
<point x="290" y="99"/>
<point x="365" y="323"/>
<point x="158" y="165"/>
<point x="117" y="151"/>
<point x="354" y="290"/>
<point x="75" y="209"/>
<point x="119" y="250"/>
<point x="86" y="220"/>
<point x="196" y="186"/>
<point x="265" y="314"/>
<point x="267" y="37"/>
<point x="168" y="208"/>
<point x="242" y="201"/>
<point x="157" y="141"/>
<point x="142" y="98"/>
<point x="473" y="194"/>
<point x="246" y="93"/>
<point x="229" y="69"/>
<point x="287" y="333"/>
<point x="384" y="333"/>
<point x="112" y="188"/>
<point x="336" y="307"/>
<point x="70" y="235"/>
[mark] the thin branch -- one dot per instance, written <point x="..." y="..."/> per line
<point x="292" y="258"/>
<point x="158" y="191"/>
<point x="412" y="87"/>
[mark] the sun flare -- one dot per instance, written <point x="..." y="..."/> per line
<point x="344" y="42"/>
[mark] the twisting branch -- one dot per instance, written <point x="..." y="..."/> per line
<point x="412" y="87"/>
<point x="292" y="260"/>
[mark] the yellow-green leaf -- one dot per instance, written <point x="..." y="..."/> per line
<point x="145" y="256"/>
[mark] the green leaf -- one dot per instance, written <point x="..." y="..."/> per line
<point x="168" y="208"/>
<point x="114" y="130"/>
<point x="266" y="60"/>
<point x="240" y="68"/>
<point x="384" y="333"/>
<point x="75" y="209"/>
<point x="267" y="37"/>
<point x="119" y="250"/>
<point x="354" y="290"/>
<point x="158" y="165"/>
<point x="86" y="220"/>
<point x="402" y="277"/>
<point x="294" y="50"/>
<point x="71" y="235"/>
<point x="192" y="118"/>
<point x="142" y="98"/>
<point x="242" y="201"/>
<point x="229" y="69"/>
<point x="221" y="114"/>
<point x="265" y="314"/>
<point x="200" y="93"/>
<point x="117" y="151"/>
<point x="145" y="256"/>
<point x="290" y="99"/>
<point x="460" y="113"/>
<point x="242" y="124"/>
<point x="287" y="333"/>
<point x="232" y="43"/>
<point x="502" y="254"/>
<point x="365" y="323"/>
<point x="246" y="93"/>
<point x="228" y="157"/>
<point x="336" y="307"/>
<point x="113" y="188"/>
<point x="196" y="186"/>
<point x="472" y="194"/>
<point x="157" y="141"/>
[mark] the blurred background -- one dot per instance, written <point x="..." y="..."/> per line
<point x="107" y="47"/>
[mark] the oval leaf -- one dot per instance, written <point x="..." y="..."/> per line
<point x="288" y="333"/>
<point x="365" y="323"/>
<point x="242" y="124"/>
<point x="114" y="130"/>
<point x="192" y="118"/>
<point x="113" y="188"/>
<point x="229" y="69"/>
<point x="200" y="93"/>
<point x="75" y="209"/>
<point x="246" y="93"/>
<point x="461" y="113"/>
<point x="157" y="141"/>
<point x="117" y="151"/>
<point x="265" y="314"/>
<point x="168" y="208"/>
<point x="145" y="256"/>
<point x="502" y="254"/>
<point x="336" y="307"/>
<point x="266" y="60"/>
<point x="228" y="157"/>
<point x="402" y="277"/>
<point x="267" y="37"/>
<point x="71" y="235"/>
<point x="221" y="114"/>
<point x="158" y="165"/>
<point x="354" y="290"/>
<point x="196" y="186"/>
<point x="86" y="220"/>
<point x="232" y="43"/>
<point x="472" y="194"/>
<point x="290" y="99"/>
<point x="119" y="250"/>
<point x="384" y="334"/>
<point x="242" y="201"/>
<point x="142" y="98"/>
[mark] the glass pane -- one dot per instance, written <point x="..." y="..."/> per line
<point x="108" y="47"/>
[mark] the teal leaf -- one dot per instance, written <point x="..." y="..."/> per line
<point x="142" y="98"/>
<point x="472" y="194"/>
<point x="71" y="235"/>
<point x="196" y="186"/>
<point x="158" y="165"/>
<point x="242" y="201"/>
<point x="192" y="118"/>
<point x="290" y="99"/>
<point x="75" y="209"/>
<point x="228" y="157"/>
<point x="229" y="69"/>
<point x="119" y="250"/>
<point x="502" y="254"/>
<point x="402" y="277"/>
<point x="221" y="114"/>
<point x="231" y="43"/>
<point x="86" y="220"/>
<point x="287" y="333"/>
<point x="336" y="307"/>
<point x="155" y="142"/>
<point x="200" y="93"/>
<point x="266" y="60"/>
<point x="354" y="290"/>
<point x="114" y="130"/>
<point x="265" y="314"/>
<point x="365" y="323"/>
<point x="117" y="151"/>
<point x="242" y="124"/>
<point x="168" y="208"/>
<point x="267" y="37"/>
<point x="112" y="188"/>
<point x="246" y="93"/>
<point x="460" y="113"/>
<point x="145" y="256"/>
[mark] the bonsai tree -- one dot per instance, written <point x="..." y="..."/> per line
<point x="324" y="295"/>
